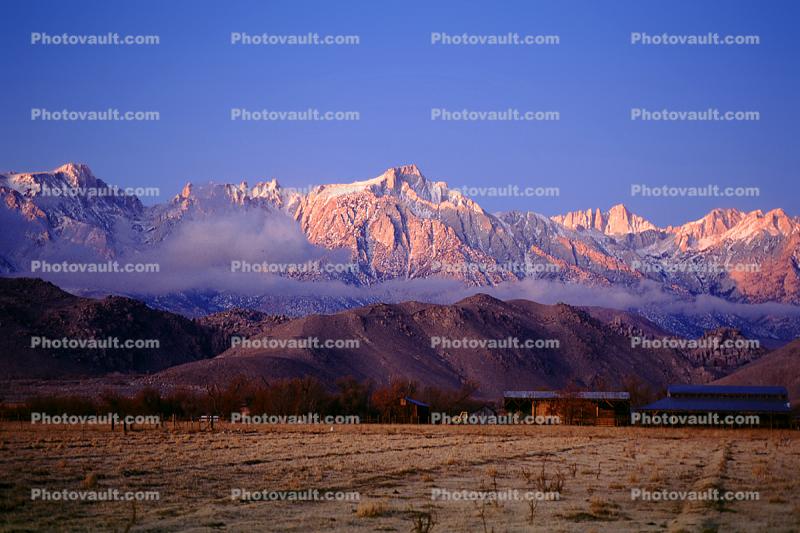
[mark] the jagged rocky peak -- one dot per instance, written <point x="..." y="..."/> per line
<point x="707" y="230"/>
<point x="616" y="221"/>
<point x="588" y="219"/>
<point x="716" y="222"/>
<point x="411" y="170"/>
<point x="70" y="191"/>
<point x="266" y="188"/>
<point x="186" y="192"/>
<point x="402" y="181"/>
<point x="396" y="179"/>
<point x="775" y="222"/>
<point x="731" y="224"/>
<point x="621" y="220"/>
<point x="409" y="182"/>
<point x="719" y="220"/>
<point x="212" y="189"/>
<point x="212" y="196"/>
<point x="68" y="175"/>
<point x="778" y="219"/>
<point x="77" y="174"/>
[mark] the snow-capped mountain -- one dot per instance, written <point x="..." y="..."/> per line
<point x="401" y="225"/>
<point x="54" y="210"/>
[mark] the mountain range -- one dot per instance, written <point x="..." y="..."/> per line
<point x="592" y="346"/>
<point x="398" y="226"/>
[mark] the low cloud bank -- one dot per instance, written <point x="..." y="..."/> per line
<point x="198" y="256"/>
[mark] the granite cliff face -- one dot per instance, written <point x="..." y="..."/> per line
<point x="616" y="221"/>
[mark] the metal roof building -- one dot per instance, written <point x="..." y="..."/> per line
<point x="727" y="405"/>
<point x="717" y="391"/>
<point x="770" y="403"/>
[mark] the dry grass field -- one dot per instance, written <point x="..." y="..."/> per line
<point x="395" y="469"/>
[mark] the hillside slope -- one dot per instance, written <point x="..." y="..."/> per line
<point x="33" y="308"/>
<point x="780" y="367"/>
<point x="397" y="341"/>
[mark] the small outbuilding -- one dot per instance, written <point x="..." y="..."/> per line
<point x="414" y="411"/>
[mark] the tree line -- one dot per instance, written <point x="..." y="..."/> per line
<point x="289" y="397"/>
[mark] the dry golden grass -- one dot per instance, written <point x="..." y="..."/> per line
<point x="395" y="469"/>
<point x="371" y="509"/>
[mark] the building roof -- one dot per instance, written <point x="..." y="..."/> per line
<point x="727" y="390"/>
<point x="550" y="395"/>
<point x="744" y="405"/>
<point x="416" y="402"/>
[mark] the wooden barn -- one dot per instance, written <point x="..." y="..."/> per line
<point x="592" y="408"/>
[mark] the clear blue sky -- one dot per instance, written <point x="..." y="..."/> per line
<point x="394" y="77"/>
